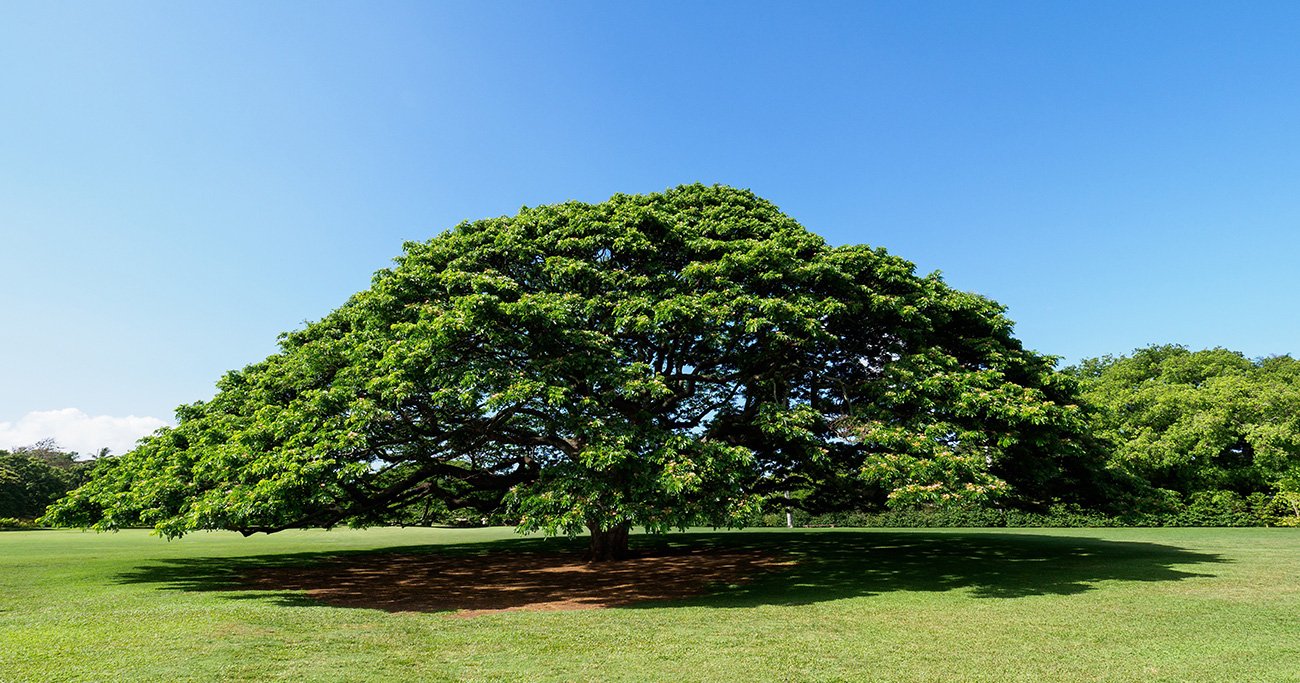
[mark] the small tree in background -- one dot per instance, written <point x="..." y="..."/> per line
<point x="49" y="452"/>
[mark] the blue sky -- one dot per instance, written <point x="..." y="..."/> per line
<point x="180" y="182"/>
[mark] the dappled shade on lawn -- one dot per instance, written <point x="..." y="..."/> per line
<point x="701" y="569"/>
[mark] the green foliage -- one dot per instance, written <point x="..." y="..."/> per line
<point x="657" y="361"/>
<point x="1195" y="422"/>
<point x="1205" y="509"/>
<point x="1288" y="497"/>
<point x="33" y="477"/>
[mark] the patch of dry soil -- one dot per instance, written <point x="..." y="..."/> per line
<point x="481" y="584"/>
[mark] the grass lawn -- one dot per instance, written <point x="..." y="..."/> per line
<point x="860" y="605"/>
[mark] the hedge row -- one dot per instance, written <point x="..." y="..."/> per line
<point x="1212" y="509"/>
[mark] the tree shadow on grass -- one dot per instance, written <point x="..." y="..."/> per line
<point x="700" y="569"/>
<point x="845" y="564"/>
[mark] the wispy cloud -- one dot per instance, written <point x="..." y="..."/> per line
<point x="77" y="431"/>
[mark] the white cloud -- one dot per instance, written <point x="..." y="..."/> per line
<point x="77" y="431"/>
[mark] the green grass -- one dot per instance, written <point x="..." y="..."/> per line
<point x="862" y="605"/>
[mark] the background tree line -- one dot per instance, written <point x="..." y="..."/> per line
<point x="1207" y="430"/>
<point x="32" y="477"/>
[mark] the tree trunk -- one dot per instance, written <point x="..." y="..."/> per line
<point x="608" y="543"/>
<point x="424" y="516"/>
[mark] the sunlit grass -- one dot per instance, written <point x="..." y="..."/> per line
<point x="860" y="605"/>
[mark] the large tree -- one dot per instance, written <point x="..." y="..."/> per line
<point x="651" y="361"/>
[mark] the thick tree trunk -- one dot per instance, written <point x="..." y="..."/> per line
<point x="608" y="543"/>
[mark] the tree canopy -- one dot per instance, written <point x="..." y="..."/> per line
<point x="32" y="477"/>
<point x="1192" y="422"/>
<point x="655" y="361"/>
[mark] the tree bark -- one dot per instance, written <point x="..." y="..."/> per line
<point x="609" y="543"/>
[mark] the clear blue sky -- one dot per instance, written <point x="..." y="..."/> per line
<point x="179" y="182"/>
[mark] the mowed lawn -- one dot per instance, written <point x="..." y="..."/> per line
<point x="859" y="605"/>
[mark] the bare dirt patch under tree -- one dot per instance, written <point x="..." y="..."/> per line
<point x="469" y="585"/>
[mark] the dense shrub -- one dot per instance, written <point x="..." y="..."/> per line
<point x="12" y="523"/>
